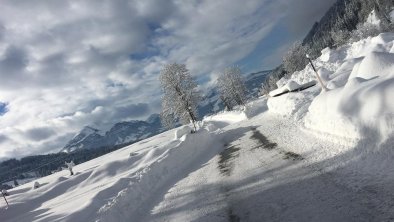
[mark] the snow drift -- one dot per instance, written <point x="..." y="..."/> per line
<point x="359" y="103"/>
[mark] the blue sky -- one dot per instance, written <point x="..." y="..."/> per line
<point x="66" y="64"/>
<point x="2" y="108"/>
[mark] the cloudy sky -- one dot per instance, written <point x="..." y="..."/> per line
<point x="67" y="64"/>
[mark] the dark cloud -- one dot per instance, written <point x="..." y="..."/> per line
<point x="131" y="111"/>
<point x="38" y="134"/>
<point x="3" y="138"/>
<point x="2" y="30"/>
<point x="14" y="61"/>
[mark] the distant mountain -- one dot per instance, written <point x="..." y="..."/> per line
<point x="126" y="132"/>
<point x="254" y="80"/>
<point x="87" y="138"/>
<point x="120" y="133"/>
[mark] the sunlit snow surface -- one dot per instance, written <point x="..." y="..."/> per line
<point x="302" y="156"/>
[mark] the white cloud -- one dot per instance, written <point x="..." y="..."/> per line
<point x="66" y="64"/>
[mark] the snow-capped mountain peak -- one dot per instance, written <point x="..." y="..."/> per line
<point x="120" y="133"/>
<point x="86" y="138"/>
<point x="88" y="130"/>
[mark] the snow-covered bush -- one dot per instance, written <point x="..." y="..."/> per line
<point x="36" y="185"/>
<point x="363" y="31"/>
<point x="4" y="192"/>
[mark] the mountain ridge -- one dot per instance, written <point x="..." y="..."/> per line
<point x="120" y="133"/>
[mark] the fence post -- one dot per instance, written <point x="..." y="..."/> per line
<point x="317" y="74"/>
<point x="5" y="198"/>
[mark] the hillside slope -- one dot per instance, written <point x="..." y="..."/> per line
<point x="345" y="15"/>
<point x="308" y="155"/>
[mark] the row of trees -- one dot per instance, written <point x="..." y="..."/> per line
<point x="181" y="97"/>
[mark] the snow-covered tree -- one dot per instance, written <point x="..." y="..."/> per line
<point x="70" y="166"/>
<point x="340" y="37"/>
<point x="167" y="119"/>
<point x="365" y="30"/>
<point x="180" y="97"/>
<point x="232" y="87"/>
<point x="294" y="59"/>
<point x="265" y="87"/>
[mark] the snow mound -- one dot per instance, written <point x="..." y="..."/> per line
<point x="224" y="119"/>
<point x="291" y="85"/>
<point x="329" y="55"/>
<point x="181" y="131"/>
<point x="291" y="104"/>
<point x="211" y="127"/>
<point x="374" y="64"/>
<point x="288" y="87"/>
<point x="256" y="107"/>
<point x="359" y="103"/>
<point x="324" y="74"/>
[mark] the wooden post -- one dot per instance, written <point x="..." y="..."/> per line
<point x="5" y="199"/>
<point x="317" y="74"/>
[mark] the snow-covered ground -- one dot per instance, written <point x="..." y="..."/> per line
<point x="303" y="156"/>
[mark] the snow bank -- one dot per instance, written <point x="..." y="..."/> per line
<point x="183" y="130"/>
<point x="288" y="87"/>
<point x="224" y="119"/>
<point x="288" y="104"/>
<point x="362" y="106"/>
<point x="117" y="186"/>
<point x="374" y="64"/>
<point x="359" y="103"/>
<point x="156" y="178"/>
<point x="256" y="107"/>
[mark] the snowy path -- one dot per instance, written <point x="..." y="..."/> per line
<point x="286" y="179"/>
<point x="266" y="168"/>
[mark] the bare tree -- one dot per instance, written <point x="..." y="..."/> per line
<point x="232" y="87"/>
<point x="180" y="97"/>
